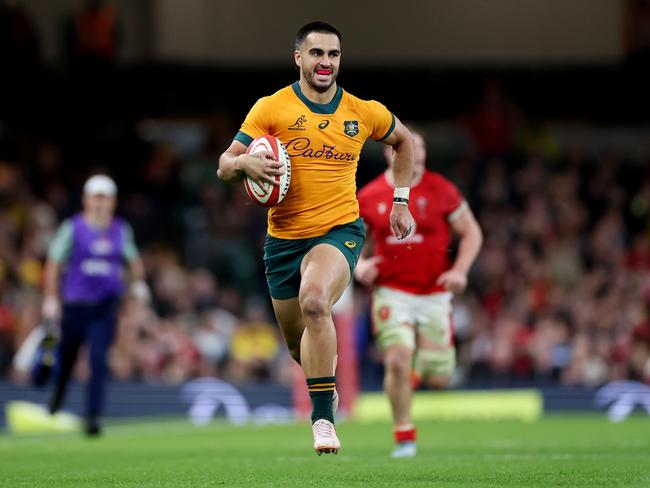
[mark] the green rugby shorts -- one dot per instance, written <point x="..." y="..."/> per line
<point x="283" y="257"/>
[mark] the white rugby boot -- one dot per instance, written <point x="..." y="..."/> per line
<point x="404" y="450"/>
<point x="325" y="439"/>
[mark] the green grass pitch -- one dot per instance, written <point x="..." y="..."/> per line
<point x="571" y="451"/>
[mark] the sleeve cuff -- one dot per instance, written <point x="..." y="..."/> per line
<point x="245" y="139"/>
<point x="390" y="129"/>
<point x="459" y="210"/>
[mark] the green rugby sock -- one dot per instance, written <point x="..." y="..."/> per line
<point x="321" y="391"/>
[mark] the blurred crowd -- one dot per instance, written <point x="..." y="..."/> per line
<point x="197" y="324"/>
<point x="561" y="291"/>
<point x="559" y="295"/>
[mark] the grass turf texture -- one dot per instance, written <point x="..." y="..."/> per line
<point x="556" y="451"/>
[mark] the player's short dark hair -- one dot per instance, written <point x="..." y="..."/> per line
<point x="317" y="26"/>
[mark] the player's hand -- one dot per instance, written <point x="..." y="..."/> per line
<point x="140" y="291"/>
<point x="401" y="221"/>
<point x="51" y="308"/>
<point x="453" y="280"/>
<point x="367" y="270"/>
<point x="261" y="167"/>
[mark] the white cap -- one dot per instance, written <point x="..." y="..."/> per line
<point x="100" y="185"/>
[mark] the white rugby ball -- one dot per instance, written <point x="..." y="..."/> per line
<point x="266" y="194"/>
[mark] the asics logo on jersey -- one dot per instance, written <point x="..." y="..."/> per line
<point x="302" y="147"/>
<point x="323" y="124"/>
<point x="298" y="124"/>
<point x="350" y="244"/>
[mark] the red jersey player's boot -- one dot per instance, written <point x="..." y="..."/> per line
<point x="325" y="439"/>
<point x="404" y="450"/>
<point x="404" y="442"/>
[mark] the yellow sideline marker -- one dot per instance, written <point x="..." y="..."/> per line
<point x="30" y="418"/>
<point x="524" y="405"/>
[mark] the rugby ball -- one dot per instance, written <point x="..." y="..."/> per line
<point x="266" y="194"/>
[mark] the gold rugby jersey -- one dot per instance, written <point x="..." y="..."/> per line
<point x="324" y="142"/>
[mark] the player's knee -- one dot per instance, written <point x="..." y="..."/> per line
<point x="398" y="364"/>
<point x="438" y="382"/>
<point x="398" y="369"/>
<point x="313" y="303"/>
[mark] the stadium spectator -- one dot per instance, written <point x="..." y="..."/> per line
<point x="493" y="122"/>
<point x="93" y="37"/>
<point x="254" y="346"/>
<point x="636" y="32"/>
<point x="19" y="45"/>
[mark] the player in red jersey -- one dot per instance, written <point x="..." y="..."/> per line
<point x="413" y="282"/>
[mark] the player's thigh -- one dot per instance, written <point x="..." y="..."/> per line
<point x="436" y="355"/>
<point x="329" y="265"/>
<point x="289" y="317"/>
<point x="392" y="320"/>
<point x="325" y="274"/>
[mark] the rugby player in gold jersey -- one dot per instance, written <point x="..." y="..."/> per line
<point x="315" y="234"/>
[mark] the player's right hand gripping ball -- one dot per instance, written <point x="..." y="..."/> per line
<point x="268" y="195"/>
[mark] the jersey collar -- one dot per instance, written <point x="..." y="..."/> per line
<point x="319" y="108"/>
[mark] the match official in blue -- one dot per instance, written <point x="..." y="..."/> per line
<point x="84" y="283"/>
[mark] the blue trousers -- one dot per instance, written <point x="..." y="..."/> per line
<point x="93" y="324"/>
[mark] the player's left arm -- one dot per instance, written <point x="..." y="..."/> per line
<point x="401" y="221"/>
<point x="463" y="224"/>
<point x="57" y="257"/>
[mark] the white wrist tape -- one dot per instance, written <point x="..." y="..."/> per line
<point x="402" y="192"/>
<point x="401" y="196"/>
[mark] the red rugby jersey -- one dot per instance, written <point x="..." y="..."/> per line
<point x="412" y="264"/>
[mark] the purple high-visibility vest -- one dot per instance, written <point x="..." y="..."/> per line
<point x="95" y="267"/>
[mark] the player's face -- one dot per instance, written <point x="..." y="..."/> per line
<point x="100" y="207"/>
<point x="319" y="58"/>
